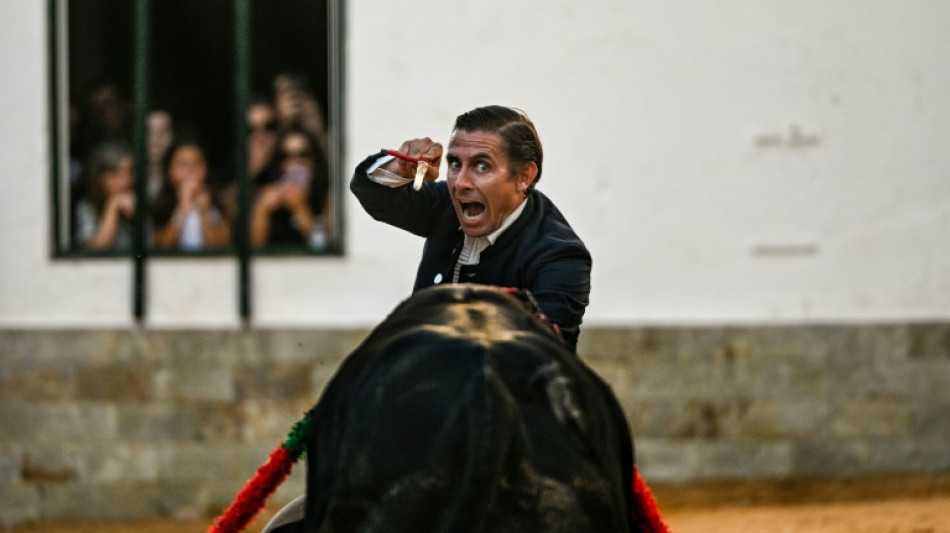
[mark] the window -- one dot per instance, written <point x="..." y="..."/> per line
<point x="196" y="127"/>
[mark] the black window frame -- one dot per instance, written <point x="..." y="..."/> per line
<point x="60" y="244"/>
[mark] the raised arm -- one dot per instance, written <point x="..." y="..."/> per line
<point x="381" y="184"/>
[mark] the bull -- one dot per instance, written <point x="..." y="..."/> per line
<point x="464" y="412"/>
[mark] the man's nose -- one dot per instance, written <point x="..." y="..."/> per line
<point x="462" y="181"/>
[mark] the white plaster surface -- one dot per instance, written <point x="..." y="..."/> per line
<point x="734" y="161"/>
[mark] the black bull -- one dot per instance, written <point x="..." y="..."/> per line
<point x="463" y="412"/>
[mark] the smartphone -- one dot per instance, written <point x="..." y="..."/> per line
<point x="297" y="176"/>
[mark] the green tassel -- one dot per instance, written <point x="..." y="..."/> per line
<point x="295" y="442"/>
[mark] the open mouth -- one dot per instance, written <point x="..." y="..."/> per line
<point x="472" y="210"/>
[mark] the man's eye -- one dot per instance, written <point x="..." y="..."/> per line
<point x="454" y="165"/>
<point x="482" y="167"/>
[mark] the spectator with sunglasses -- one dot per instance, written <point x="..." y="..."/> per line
<point x="262" y="128"/>
<point x="290" y="202"/>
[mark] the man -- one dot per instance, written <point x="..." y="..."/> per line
<point x="486" y="223"/>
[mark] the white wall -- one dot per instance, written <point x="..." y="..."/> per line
<point x="732" y="161"/>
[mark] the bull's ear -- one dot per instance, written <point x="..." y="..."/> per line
<point x="531" y="306"/>
<point x="524" y="296"/>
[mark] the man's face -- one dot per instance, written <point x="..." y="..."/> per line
<point x="483" y="190"/>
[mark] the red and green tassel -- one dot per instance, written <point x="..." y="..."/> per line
<point x="249" y="502"/>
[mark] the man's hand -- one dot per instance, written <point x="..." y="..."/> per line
<point x="425" y="148"/>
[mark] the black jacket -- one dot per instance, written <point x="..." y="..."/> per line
<point x="539" y="251"/>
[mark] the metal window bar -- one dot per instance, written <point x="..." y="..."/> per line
<point x="335" y="63"/>
<point x="57" y="94"/>
<point x="242" y="83"/>
<point x="140" y="82"/>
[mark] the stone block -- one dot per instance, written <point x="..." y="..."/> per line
<point x="228" y="464"/>
<point x="302" y="347"/>
<point x="51" y="347"/>
<point x="665" y="460"/>
<point x="929" y="341"/>
<point x="929" y="454"/>
<point x="37" y="382"/>
<point x="869" y="456"/>
<point x="121" y="463"/>
<point x="661" y="377"/>
<point x="702" y="419"/>
<point x="615" y="372"/>
<point x="112" y="501"/>
<point x="121" y="381"/>
<point x="269" y="422"/>
<point x="154" y="421"/>
<point x="198" y="349"/>
<point x="19" y="504"/>
<point x="801" y="418"/>
<point x="876" y="416"/>
<point x="217" y="422"/>
<point x="650" y="418"/>
<point x="197" y="378"/>
<point x="224" y="473"/>
<point x="27" y="422"/>
<point x="928" y="379"/>
<point x="931" y="420"/>
<point x="186" y="500"/>
<point x="51" y="462"/>
<point x="732" y="460"/>
<point x="873" y="362"/>
<point x="627" y="343"/>
<point x="10" y="455"/>
<point x="274" y="381"/>
<point x="770" y="362"/>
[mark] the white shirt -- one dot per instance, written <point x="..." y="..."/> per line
<point x="473" y="247"/>
<point x="191" y="237"/>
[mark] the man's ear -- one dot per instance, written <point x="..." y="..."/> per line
<point x="526" y="176"/>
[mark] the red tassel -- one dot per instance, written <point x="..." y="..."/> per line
<point x="645" y="513"/>
<point x="251" y="499"/>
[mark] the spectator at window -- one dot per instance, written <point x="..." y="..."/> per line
<point x="296" y="106"/>
<point x="160" y="133"/>
<point x="104" y="215"/>
<point x="186" y="214"/>
<point x="290" y="203"/>
<point x="262" y="126"/>
<point x="105" y="115"/>
<point x="261" y="137"/>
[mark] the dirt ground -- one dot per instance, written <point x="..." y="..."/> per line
<point x="880" y="505"/>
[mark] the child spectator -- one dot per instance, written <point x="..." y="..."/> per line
<point x="160" y="134"/>
<point x="186" y="214"/>
<point x="104" y="215"/>
<point x="296" y="106"/>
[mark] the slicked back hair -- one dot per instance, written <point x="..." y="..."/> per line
<point x="519" y="138"/>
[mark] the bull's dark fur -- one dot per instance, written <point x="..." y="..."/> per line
<point x="463" y="412"/>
